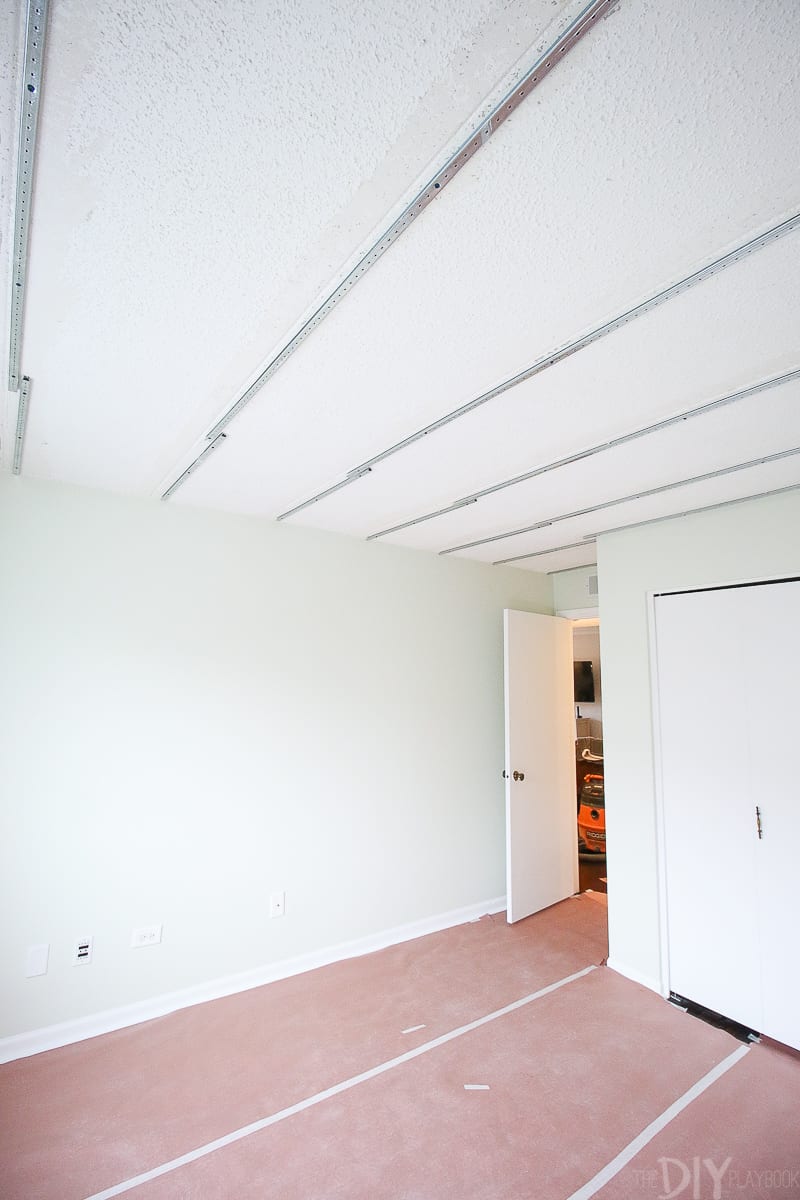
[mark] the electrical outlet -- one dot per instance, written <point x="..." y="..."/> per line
<point x="146" y="935"/>
<point x="36" y="960"/>
<point x="83" y="951"/>
<point x="277" y="904"/>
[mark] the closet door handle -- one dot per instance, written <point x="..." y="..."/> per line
<point x="758" y="824"/>
<point x="519" y="775"/>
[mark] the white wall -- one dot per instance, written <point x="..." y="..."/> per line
<point x="199" y="709"/>
<point x="753" y="540"/>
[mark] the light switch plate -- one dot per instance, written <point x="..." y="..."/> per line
<point x="36" y="960"/>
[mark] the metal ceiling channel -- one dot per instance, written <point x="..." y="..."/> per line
<point x="612" y="443"/>
<point x="22" y="418"/>
<point x="657" y="491"/>
<point x="558" y="355"/>
<point x="217" y="442"/>
<point x="35" y="33"/>
<point x="584" y="542"/>
<point x="428" y="193"/>
<point x="433" y="188"/>
<point x="601" y="331"/>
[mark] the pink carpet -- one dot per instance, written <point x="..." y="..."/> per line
<point x="567" y="1081"/>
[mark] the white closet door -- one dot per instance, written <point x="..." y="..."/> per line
<point x="710" y="836"/>
<point x="773" y="738"/>
<point x="728" y="666"/>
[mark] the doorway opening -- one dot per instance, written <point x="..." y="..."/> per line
<point x="590" y="828"/>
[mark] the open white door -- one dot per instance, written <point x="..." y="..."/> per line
<point x="541" y="833"/>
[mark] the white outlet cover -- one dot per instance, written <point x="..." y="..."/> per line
<point x="36" y="960"/>
<point x="146" y="935"/>
<point x="82" y="952"/>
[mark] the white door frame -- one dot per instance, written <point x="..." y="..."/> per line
<point x="658" y="778"/>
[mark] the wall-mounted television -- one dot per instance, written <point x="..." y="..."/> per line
<point x="584" y="682"/>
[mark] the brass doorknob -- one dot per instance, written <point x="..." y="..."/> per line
<point x="519" y="775"/>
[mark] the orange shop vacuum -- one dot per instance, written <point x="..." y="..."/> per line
<point x="592" y="816"/>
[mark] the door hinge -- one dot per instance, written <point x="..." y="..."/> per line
<point x="758" y="823"/>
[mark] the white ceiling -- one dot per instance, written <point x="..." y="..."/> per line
<point x="206" y="173"/>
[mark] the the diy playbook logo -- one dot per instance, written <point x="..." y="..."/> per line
<point x="704" y="1179"/>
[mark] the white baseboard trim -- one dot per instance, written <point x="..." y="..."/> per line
<point x="636" y="976"/>
<point x="22" y="1045"/>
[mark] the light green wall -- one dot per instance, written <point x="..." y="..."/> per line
<point x="753" y="540"/>
<point x="571" y="589"/>
<point x="198" y="709"/>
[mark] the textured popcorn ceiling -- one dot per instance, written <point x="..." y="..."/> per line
<point x="206" y="170"/>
